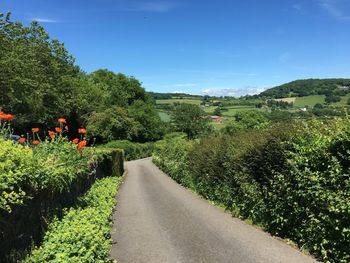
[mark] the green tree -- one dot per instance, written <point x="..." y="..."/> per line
<point x="122" y="90"/>
<point x="217" y="111"/>
<point x="147" y="116"/>
<point x="112" y="124"/>
<point x="190" y="119"/>
<point x="35" y="74"/>
<point x="245" y="120"/>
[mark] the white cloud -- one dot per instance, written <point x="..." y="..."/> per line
<point x="45" y="20"/>
<point x="157" y="7"/>
<point x="334" y="9"/>
<point x="233" y="92"/>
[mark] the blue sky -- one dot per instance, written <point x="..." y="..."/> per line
<point x="223" y="47"/>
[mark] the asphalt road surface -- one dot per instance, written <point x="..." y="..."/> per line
<point x="157" y="220"/>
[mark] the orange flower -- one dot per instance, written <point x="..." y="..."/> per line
<point x="81" y="145"/>
<point x="82" y="130"/>
<point x="35" y="142"/>
<point x="35" y="130"/>
<point x="52" y="134"/>
<point x="75" y="141"/>
<point x="58" y="129"/>
<point x="6" y="117"/>
<point x="62" y="120"/>
<point x="22" y="140"/>
<point x="66" y="128"/>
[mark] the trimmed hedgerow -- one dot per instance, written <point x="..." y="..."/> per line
<point x="292" y="179"/>
<point x="132" y="150"/>
<point x="83" y="234"/>
<point x="36" y="184"/>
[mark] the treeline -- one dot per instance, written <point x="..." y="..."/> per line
<point x="166" y="96"/>
<point x="302" y="88"/>
<point x="40" y="82"/>
<point x="291" y="178"/>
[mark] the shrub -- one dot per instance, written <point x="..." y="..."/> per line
<point x="36" y="184"/>
<point x="83" y="235"/>
<point x="292" y="179"/>
<point x="132" y="150"/>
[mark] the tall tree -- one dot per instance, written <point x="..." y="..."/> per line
<point x="190" y="119"/>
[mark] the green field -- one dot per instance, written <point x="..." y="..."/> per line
<point x="309" y="101"/>
<point x="344" y="101"/>
<point x="233" y="110"/>
<point x="164" y="116"/>
<point x="172" y="101"/>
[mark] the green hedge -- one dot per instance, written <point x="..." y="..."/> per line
<point x="293" y="180"/>
<point x="36" y="184"/>
<point x="132" y="150"/>
<point x="83" y="234"/>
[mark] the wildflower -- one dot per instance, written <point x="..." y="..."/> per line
<point x="58" y="129"/>
<point x="22" y="140"/>
<point x="35" y="130"/>
<point x="35" y="142"/>
<point x="6" y="117"/>
<point x="62" y="120"/>
<point x="81" y="130"/>
<point x="75" y="141"/>
<point x="81" y="145"/>
<point x="52" y="134"/>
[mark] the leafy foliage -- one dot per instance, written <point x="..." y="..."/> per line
<point x="292" y="179"/>
<point x="83" y="235"/>
<point x="132" y="150"/>
<point x="190" y="119"/>
<point x="302" y="88"/>
<point x="40" y="82"/>
<point x="246" y="120"/>
<point x="36" y="184"/>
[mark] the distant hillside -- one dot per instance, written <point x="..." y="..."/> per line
<point x="302" y="88"/>
<point x="164" y="96"/>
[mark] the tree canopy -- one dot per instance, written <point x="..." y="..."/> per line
<point x="190" y="119"/>
<point x="39" y="82"/>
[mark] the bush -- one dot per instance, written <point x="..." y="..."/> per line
<point x="132" y="150"/>
<point x="83" y="235"/>
<point x="36" y="184"/>
<point x="292" y="179"/>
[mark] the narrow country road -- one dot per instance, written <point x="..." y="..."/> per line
<point x="157" y="220"/>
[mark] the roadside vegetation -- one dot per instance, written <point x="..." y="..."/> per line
<point x="279" y="158"/>
<point x="291" y="179"/>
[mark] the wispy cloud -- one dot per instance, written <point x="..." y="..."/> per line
<point x="156" y="7"/>
<point x="45" y="20"/>
<point x="233" y="92"/>
<point x="333" y="7"/>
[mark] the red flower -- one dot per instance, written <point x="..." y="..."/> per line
<point x="6" y="117"/>
<point x="52" y="134"/>
<point x="81" y="130"/>
<point x="58" y="129"/>
<point x="35" y="130"/>
<point x="75" y="141"/>
<point x="81" y="145"/>
<point x="62" y="120"/>
<point x="22" y="140"/>
<point x="35" y="142"/>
